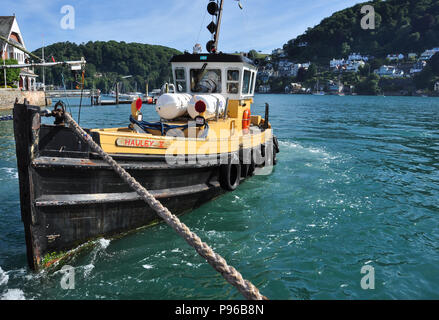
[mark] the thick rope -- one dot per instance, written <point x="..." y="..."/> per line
<point x="6" y="118"/>
<point x="246" y="288"/>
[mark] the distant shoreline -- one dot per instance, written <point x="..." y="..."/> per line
<point x="358" y="95"/>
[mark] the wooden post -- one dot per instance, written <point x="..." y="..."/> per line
<point x="267" y="115"/>
<point x="26" y="128"/>
<point x="4" y="63"/>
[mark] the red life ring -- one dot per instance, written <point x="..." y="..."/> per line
<point x="246" y="120"/>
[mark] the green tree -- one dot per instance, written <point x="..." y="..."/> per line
<point x="253" y="55"/>
<point x="402" y="25"/>
<point x="345" y="49"/>
<point x="369" y="85"/>
<point x="434" y="64"/>
<point x="111" y="60"/>
<point x="12" y="75"/>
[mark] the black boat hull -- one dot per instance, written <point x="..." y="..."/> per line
<point x="69" y="196"/>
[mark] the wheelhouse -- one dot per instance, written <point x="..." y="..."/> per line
<point x="233" y="76"/>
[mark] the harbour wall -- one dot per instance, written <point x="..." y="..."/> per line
<point x="8" y="97"/>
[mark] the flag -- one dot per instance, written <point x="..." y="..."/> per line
<point x="53" y="59"/>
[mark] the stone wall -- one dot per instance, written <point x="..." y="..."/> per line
<point x="8" y="96"/>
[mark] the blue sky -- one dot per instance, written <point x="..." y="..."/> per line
<point x="262" y="25"/>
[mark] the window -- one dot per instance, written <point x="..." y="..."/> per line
<point x="246" y="82"/>
<point x="206" y="81"/>
<point x="180" y="80"/>
<point x="252" y="83"/>
<point x="233" y="81"/>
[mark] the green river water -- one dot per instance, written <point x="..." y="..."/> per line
<point x="357" y="183"/>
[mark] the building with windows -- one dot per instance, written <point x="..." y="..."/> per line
<point x="279" y="52"/>
<point x="264" y="88"/>
<point x="10" y="30"/>
<point x="395" y="57"/>
<point x="357" y="57"/>
<point x="354" y="66"/>
<point x="389" y="71"/>
<point x="337" y="63"/>
<point x="428" y="54"/>
<point x="418" y="67"/>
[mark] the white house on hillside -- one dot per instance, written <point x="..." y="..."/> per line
<point x="10" y="30"/>
<point x="279" y="52"/>
<point x="389" y="71"/>
<point x="354" y="66"/>
<point x="394" y="57"/>
<point x="357" y="57"/>
<point x="418" y="67"/>
<point x="428" y="54"/>
<point x="336" y="63"/>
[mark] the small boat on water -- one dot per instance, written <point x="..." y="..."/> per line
<point x="318" y="91"/>
<point x="206" y="143"/>
<point x="126" y="96"/>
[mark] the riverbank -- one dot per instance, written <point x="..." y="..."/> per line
<point x="9" y="96"/>
<point x="387" y="94"/>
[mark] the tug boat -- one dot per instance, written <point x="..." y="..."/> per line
<point x="206" y="143"/>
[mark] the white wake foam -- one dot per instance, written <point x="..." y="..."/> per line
<point x="13" y="294"/>
<point x="4" y="278"/>
<point x="104" y="243"/>
<point x="10" y="173"/>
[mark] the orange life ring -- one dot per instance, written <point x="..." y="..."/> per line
<point x="246" y="120"/>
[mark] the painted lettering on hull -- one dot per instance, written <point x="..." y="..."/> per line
<point x="142" y="143"/>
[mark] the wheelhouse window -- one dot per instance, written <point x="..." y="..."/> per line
<point x="252" y="82"/>
<point x="206" y="81"/>
<point x="233" y="81"/>
<point x="180" y="80"/>
<point x="246" y="82"/>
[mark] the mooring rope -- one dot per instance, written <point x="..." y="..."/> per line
<point x="6" y="118"/>
<point x="230" y="274"/>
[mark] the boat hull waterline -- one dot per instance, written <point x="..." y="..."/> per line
<point x="69" y="196"/>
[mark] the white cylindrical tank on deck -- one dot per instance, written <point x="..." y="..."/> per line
<point x="212" y="102"/>
<point x="172" y="105"/>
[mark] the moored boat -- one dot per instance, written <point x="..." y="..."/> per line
<point x="206" y="143"/>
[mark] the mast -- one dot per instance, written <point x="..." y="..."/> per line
<point x="218" y="26"/>
<point x="44" y="70"/>
<point x="215" y="8"/>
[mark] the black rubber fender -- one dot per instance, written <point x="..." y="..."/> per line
<point x="275" y="149"/>
<point x="276" y="144"/>
<point x="230" y="175"/>
<point x="248" y="170"/>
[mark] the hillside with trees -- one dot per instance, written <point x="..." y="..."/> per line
<point x="405" y="38"/>
<point x="400" y="26"/>
<point x="429" y="75"/>
<point x="108" y="62"/>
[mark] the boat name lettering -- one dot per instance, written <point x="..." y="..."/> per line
<point x="141" y="143"/>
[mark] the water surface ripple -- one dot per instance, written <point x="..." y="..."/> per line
<point x="357" y="183"/>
